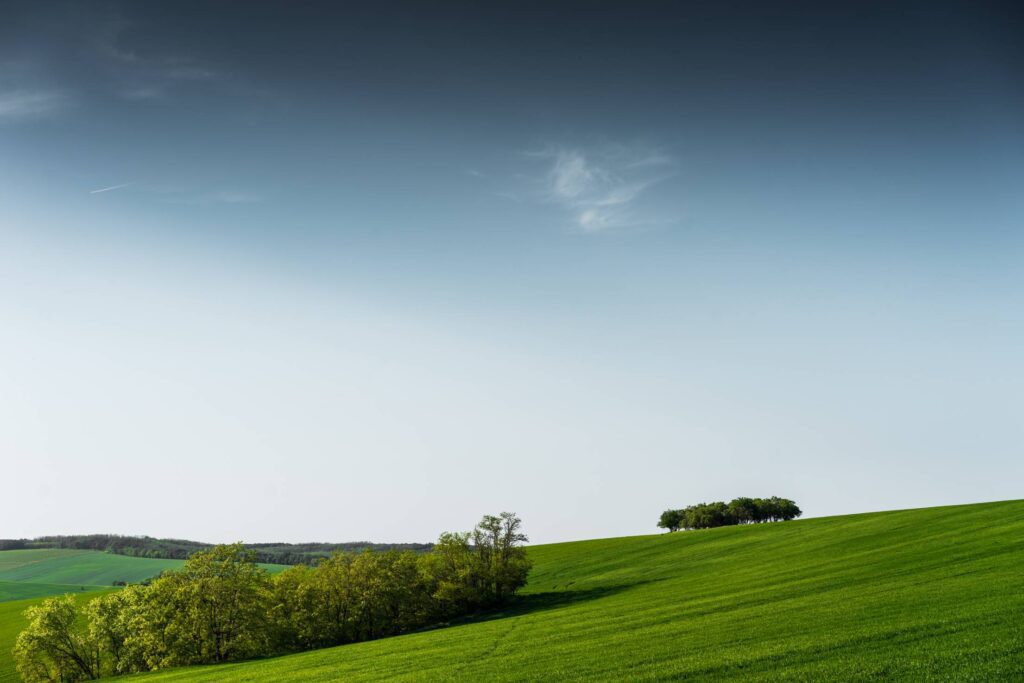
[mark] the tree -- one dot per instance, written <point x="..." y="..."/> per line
<point x="221" y="606"/>
<point x="502" y="561"/>
<point x="672" y="520"/>
<point x="738" y="511"/>
<point x="743" y="510"/>
<point x="113" y="622"/>
<point x="55" y="646"/>
<point x="214" y="609"/>
<point x="786" y="509"/>
<point x="454" y="578"/>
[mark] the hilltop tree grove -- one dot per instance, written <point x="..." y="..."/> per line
<point x="737" y="511"/>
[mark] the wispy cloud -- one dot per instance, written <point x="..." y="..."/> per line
<point x="601" y="188"/>
<point x="28" y="104"/>
<point x="145" y="74"/>
<point x="108" y="189"/>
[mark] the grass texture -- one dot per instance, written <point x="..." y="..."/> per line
<point x="918" y="595"/>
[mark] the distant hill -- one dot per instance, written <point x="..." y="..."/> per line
<point x="77" y="567"/>
<point x="178" y="549"/>
<point x="915" y="595"/>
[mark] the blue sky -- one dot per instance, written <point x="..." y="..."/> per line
<point x="368" y="272"/>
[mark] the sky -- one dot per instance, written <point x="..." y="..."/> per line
<point x="367" y="271"/>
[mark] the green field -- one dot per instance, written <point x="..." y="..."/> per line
<point x="77" y="567"/>
<point x="16" y="590"/>
<point x="918" y="595"/>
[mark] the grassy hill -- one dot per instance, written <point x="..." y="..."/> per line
<point x="77" y="567"/>
<point x="933" y="594"/>
<point x="28" y="573"/>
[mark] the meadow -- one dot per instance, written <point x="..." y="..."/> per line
<point x="931" y="594"/>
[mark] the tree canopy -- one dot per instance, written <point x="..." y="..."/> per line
<point x="737" y="511"/>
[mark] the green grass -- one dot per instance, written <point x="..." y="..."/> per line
<point x="917" y="595"/>
<point x="12" y="621"/>
<point x="78" y="567"/>
<point x="69" y="570"/>
<point x="15" y="590"/>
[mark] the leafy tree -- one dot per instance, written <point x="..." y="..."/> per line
<point x="112" y="622"/>
<point x="785" y="509"/>
<point x="743" y="510"/>
<point x="738" y="511"/>
<point x="214" y="609"/>
<point x="55" y="646"/>
<point x="502" y="562"/>
<point x="453" y="577"/>
<point x="672" y="520"/>
<point x="312" y="606"/>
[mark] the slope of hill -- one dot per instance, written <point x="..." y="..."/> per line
<point x="72" y="570"/>
<point x="932" y="594"/>
<point x="78" y="567"/>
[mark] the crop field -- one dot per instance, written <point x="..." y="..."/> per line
<point x="77" y="567"/>
<point x="916" y="595"/>
<point x="17" y="590"/>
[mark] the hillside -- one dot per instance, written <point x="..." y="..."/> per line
<point x="932" y="594"/>
<point x="28" y="573"/>
<point x="179" y="549"/>
<point x="77" y="567"/>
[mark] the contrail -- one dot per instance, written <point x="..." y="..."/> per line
<point x="108" y="189"/>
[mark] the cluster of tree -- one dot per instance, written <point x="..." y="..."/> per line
<point x="179" y="549"/>
<point x="221" y="606"/>
<point x="737" y="511"/>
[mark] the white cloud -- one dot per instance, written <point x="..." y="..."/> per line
<point x="108" y="189"/>
<point x="28" y="104"/>
<point x="601" y="187"/>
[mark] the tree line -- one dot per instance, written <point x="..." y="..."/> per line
<point x="221" y="606"/>
<point x="180" y="549"/>
<point x="736" y="511"/>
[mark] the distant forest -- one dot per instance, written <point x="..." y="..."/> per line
<point x="177" y="549"/>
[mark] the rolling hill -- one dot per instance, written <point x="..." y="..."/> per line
<point x="931" y="594"/>
<point x="77" y="567"/>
